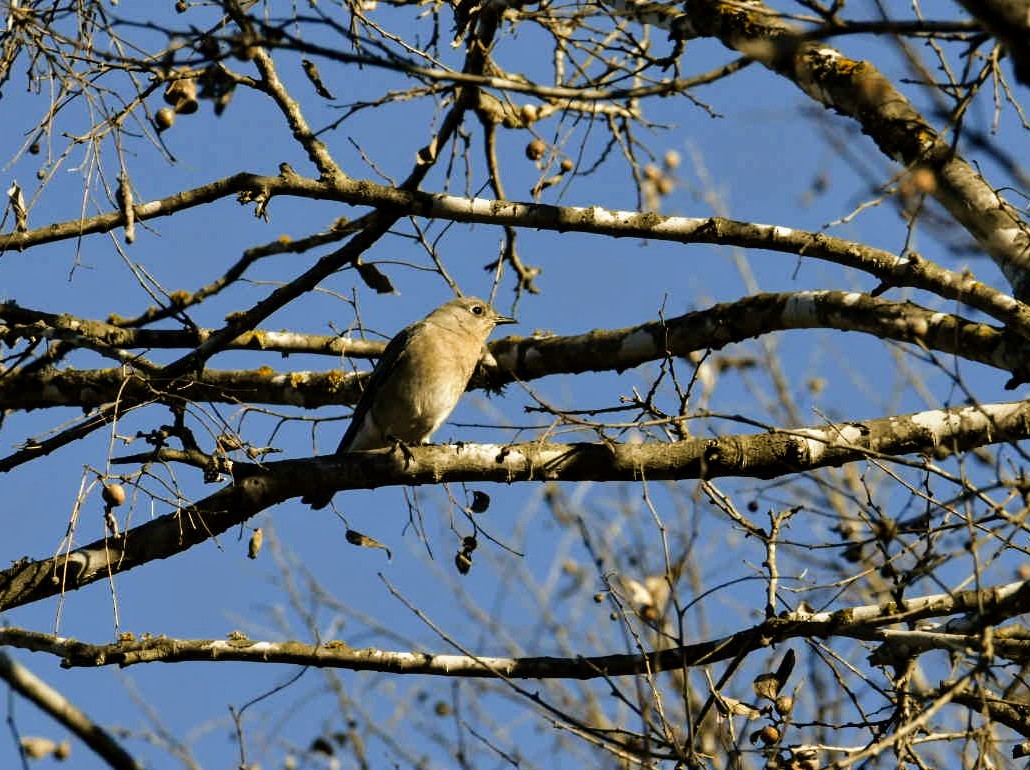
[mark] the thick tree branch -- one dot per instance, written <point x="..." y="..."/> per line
<point x="26" y="323"/>
<point x="518" y="359"/>
<point x="764" y="455"/>
<point x="864" y="622"/>
<point x="857" y="89"/>
<point x="1011" y="712"/>
<point x="889" y="268"/>
<point x="90" y="388"/>
<point x="31" y="687"/>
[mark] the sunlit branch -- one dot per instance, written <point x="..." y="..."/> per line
<point x="517" y="358"/>
<point x="27" y="323"/>
<point x="857" y="89"/>
<point x="761" y="455"/>
<point x="892" y="270"/>
<point x="865" y="622"/>
<point x="57" y="706"/>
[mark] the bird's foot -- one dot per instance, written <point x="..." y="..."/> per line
<point x="404" y="449"/>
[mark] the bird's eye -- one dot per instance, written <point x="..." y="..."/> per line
<point x="477" y="310"/>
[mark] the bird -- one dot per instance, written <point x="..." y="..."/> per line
<point x="418" y="380"/>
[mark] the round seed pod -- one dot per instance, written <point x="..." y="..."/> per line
<point x="535" y="150"/>
<point x="113" y="494"/>
<point x="164" y="119"/>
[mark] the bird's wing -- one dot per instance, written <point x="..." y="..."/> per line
<point x="392" y="356"/>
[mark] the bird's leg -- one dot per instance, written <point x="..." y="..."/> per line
<point x="403" y="448"/>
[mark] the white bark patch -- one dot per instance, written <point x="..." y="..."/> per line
<point x="487" y="358"/>
<point x="678" y="225"/>
<point x="284" y="339"/>
<point x="606" y="217"/>
<point x="228" y="645"/>
<point x="1005" y="301"/>
<point x="849" y="435"/>
<point x="995" y="414"/>
<point x="88" y="561"/>
<point x="852" y="298"/>
<point x="940" y="425"/>
<point x="489" y="453"/>
<point x="638" y="10"/>
<point x="816" y="441"/>
<point x="812" y="449"/>
<point x="478" y="206"/>
<point x="637" y="344"/>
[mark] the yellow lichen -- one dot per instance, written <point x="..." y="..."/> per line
<point x="179" y="298"/>
<point x="335" y="379"/>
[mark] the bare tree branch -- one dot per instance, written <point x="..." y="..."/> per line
<point x="517" y="359"/>
<point x="53" y="703"/>
<point x="891" y="269"/>
<point x="864" y="622"/>
<point x="257" y="487"/>
<point x="1009" y="22"/>
<point x="857" y="89"/>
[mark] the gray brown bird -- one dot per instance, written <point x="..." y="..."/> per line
<point x="419" y="379"/>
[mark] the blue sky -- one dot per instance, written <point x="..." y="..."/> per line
<point x="760" y="157"/>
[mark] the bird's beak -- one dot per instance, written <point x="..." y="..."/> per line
<point x="503" y="319"/>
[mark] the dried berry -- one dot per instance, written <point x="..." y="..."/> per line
<point x="535" y="150"/>
<point x="164" y="119"/>
<point x="113" y="494"/>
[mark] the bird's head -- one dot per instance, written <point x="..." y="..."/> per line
<point x="469" y="314"/>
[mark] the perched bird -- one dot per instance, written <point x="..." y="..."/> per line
<point x="419" y="379"/>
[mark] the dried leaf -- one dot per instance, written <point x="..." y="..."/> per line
<point x="768" y="686"/>
<point x="356" y="538"/>
<point x="786" y="667"/>
<point x="17" y="203"/>
<point x="374" y="278"/>
<point x="738" y="708"/>
<point x="316" y="79"/>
